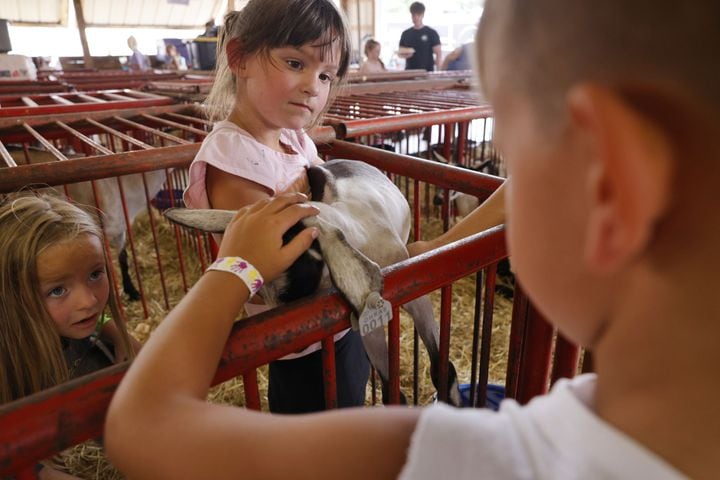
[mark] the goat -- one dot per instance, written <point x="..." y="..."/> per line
<point x="364" y="224"/>
<point x="113" y="218"/>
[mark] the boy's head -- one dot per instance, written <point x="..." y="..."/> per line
<point x="417" y="11"/>
<point x="604" y="115"/>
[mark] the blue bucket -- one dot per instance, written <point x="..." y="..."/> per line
<point x="162" y="200"/>
<point x="495" y="395"/>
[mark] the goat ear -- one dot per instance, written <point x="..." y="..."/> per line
<point x="352" y="273"/>
<point x="213" y="221"/>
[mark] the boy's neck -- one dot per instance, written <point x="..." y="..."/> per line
<point x="657" y="370"/>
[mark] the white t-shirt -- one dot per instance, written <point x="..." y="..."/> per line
<point x="556" y="436"/>
<point x="233" y="150"/>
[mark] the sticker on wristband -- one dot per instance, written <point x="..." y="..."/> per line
<point x="376" y="314"/>
<point x="242" y="269"/>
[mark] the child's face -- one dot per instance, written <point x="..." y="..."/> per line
<point x="289" y="91"/>
<point x="74" y="284"/>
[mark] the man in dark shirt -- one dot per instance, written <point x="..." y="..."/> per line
<point x="420" y="42"/>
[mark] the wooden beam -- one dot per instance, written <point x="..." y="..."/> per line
<point x="80" y="16"/>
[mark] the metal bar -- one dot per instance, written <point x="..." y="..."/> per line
<point x="170" y="123"/>
<point x="89" y="168"/>
<point x="252" y="394"/>
<point x="62" y="100"/>
<point x="90" y="99"/>
<point x="87" y="140"/>
<point x="565" y="363"/>
<point x="535" y="357"/>
<point x="152" y="131"/>
<point x="486" y="335"/>
<point x="71" y="117"/>
<point x="153" y="230"/>
<point x="445" y="176"/>
<point x="190" y="119"/>
<point x="329" y="373"/>
<point x="394" y="355"/>
<point x="445" y="318"/>
<point x="7" y="158"/>
<point x="45" y="143"/>
<point x="117" y="96"/>
<point x="475" y="339"/>
<point x="29" y="101"/>
<point x="120" y="135"/>
<point x="73" y="412"/>
<point x="355" y="128"/>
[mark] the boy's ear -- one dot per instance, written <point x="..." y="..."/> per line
<point x="629" y="177"/>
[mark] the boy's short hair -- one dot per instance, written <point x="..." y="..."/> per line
<point x="646" y="45"/>
<point x="417" y="8"/>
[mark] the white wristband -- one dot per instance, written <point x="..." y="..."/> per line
<point x="240" y="268"/>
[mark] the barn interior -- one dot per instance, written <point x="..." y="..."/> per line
<point x="82" y="118"/>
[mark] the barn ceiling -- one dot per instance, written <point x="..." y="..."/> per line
<point x="149" y="13"/>
<point x="114" y="13"/>
<point x="34" y="12"/>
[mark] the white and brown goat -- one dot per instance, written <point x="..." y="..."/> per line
<point x="364" y="224"/>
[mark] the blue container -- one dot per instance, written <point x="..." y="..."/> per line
<point x="162" y="199"/>
<point x="495" y="395"/>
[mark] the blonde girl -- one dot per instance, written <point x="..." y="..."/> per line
<point x="373" y="63"/>
<point x="53" y="292"/>
<point x="279" y="64"/>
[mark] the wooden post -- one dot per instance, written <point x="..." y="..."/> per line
<point x="81" y="28"/>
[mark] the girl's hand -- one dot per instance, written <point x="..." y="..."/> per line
<point x="256" y="231"/>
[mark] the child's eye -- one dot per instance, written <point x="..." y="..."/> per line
<point x="326" y="78"/>
<point x="57" y="292"/>
<point x="294" y="64"/>
<point x="97" y="275"/>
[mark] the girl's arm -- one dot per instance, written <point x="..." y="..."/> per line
<point x="160" y="426"/>
<point x="230" y="192"/>
<point x="488" y="214"/>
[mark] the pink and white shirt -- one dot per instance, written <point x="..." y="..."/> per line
<point x="233" y="150"/>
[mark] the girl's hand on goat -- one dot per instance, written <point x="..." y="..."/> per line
<point x="256" y="231"/>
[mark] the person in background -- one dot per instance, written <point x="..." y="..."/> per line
<point x="173" y="60"/>
<point x="137" y="61"/>
<point x="459" y="59"/>
<point x="211" y="30"/>
<point x="54" y="292"/>
<point x="613" y="226"/>
<point x="419" y="43"/>
<point x="372" y="63"/>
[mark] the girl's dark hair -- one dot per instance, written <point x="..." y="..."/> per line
<point x="267" y="24"/>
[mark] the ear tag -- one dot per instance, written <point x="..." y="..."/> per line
<point x="376" y="314"/>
